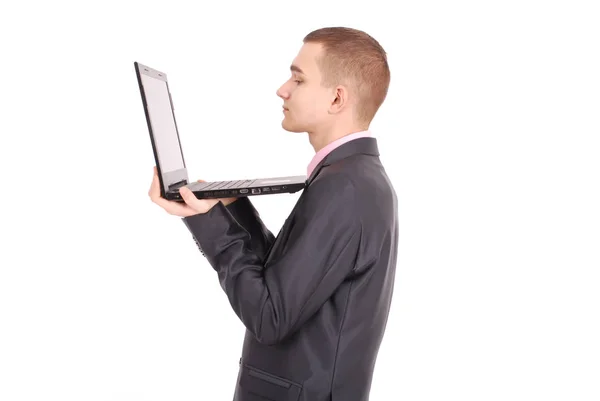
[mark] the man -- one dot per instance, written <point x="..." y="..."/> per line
<point x="315" y="299"/>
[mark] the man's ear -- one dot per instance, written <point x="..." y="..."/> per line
<point x="339" y="100"/>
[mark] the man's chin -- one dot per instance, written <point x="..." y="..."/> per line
<point x="291" y="127"/>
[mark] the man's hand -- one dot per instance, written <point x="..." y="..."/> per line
<point x="192" y="205"/>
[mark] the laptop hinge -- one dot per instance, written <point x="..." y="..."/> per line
<point x="177" y="185"/>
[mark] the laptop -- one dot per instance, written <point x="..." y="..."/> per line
<point x="168" y="154"/>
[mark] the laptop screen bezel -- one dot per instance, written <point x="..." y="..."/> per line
<point x="170" y="177"/>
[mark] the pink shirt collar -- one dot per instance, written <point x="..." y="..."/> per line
<point x="320" y="155"/>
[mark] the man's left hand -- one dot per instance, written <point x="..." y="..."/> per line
<point x="192" y="205"/>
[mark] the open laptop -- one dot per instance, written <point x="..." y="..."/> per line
<point x="166" y="145"/>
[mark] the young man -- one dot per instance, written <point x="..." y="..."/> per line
<point x="315" y="299"/>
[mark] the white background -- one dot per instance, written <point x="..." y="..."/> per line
<point x="490" y="133"/>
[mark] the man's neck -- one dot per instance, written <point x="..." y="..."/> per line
<point x="320" y="139"/>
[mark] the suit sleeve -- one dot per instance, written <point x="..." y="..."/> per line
<point x="318" y="251"/>
<point x="247" y="216"/>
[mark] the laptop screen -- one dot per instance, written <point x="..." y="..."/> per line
<point x="163" y="124"/>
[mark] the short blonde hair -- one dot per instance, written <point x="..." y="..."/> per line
<point x="354" y="58"/>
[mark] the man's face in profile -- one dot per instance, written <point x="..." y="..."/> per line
<point x="305" y="101"/>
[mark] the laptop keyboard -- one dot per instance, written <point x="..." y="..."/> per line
<point x="216" y="185"/>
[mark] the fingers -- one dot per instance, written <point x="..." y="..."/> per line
<point x="154" y="191"/>
<point x="154" y="186"/>
<point x="191" y="205"/>
<point x="173" y="208"/>
<point x="189" y="197"/>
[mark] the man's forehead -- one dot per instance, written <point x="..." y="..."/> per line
<point x="306" y="60"/>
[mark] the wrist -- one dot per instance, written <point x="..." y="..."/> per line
<point x="228" y="201"/>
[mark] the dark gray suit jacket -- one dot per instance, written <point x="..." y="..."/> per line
<point x="315" y="299"/>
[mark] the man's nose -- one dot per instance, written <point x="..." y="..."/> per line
<point x="282" y="93"/>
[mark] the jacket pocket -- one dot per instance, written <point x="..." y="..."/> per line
<point x="267" y="385"/>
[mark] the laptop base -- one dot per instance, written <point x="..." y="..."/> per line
<point x="242" y="188"/>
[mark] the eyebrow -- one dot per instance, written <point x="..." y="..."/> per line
<point x="294" y="67"/>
